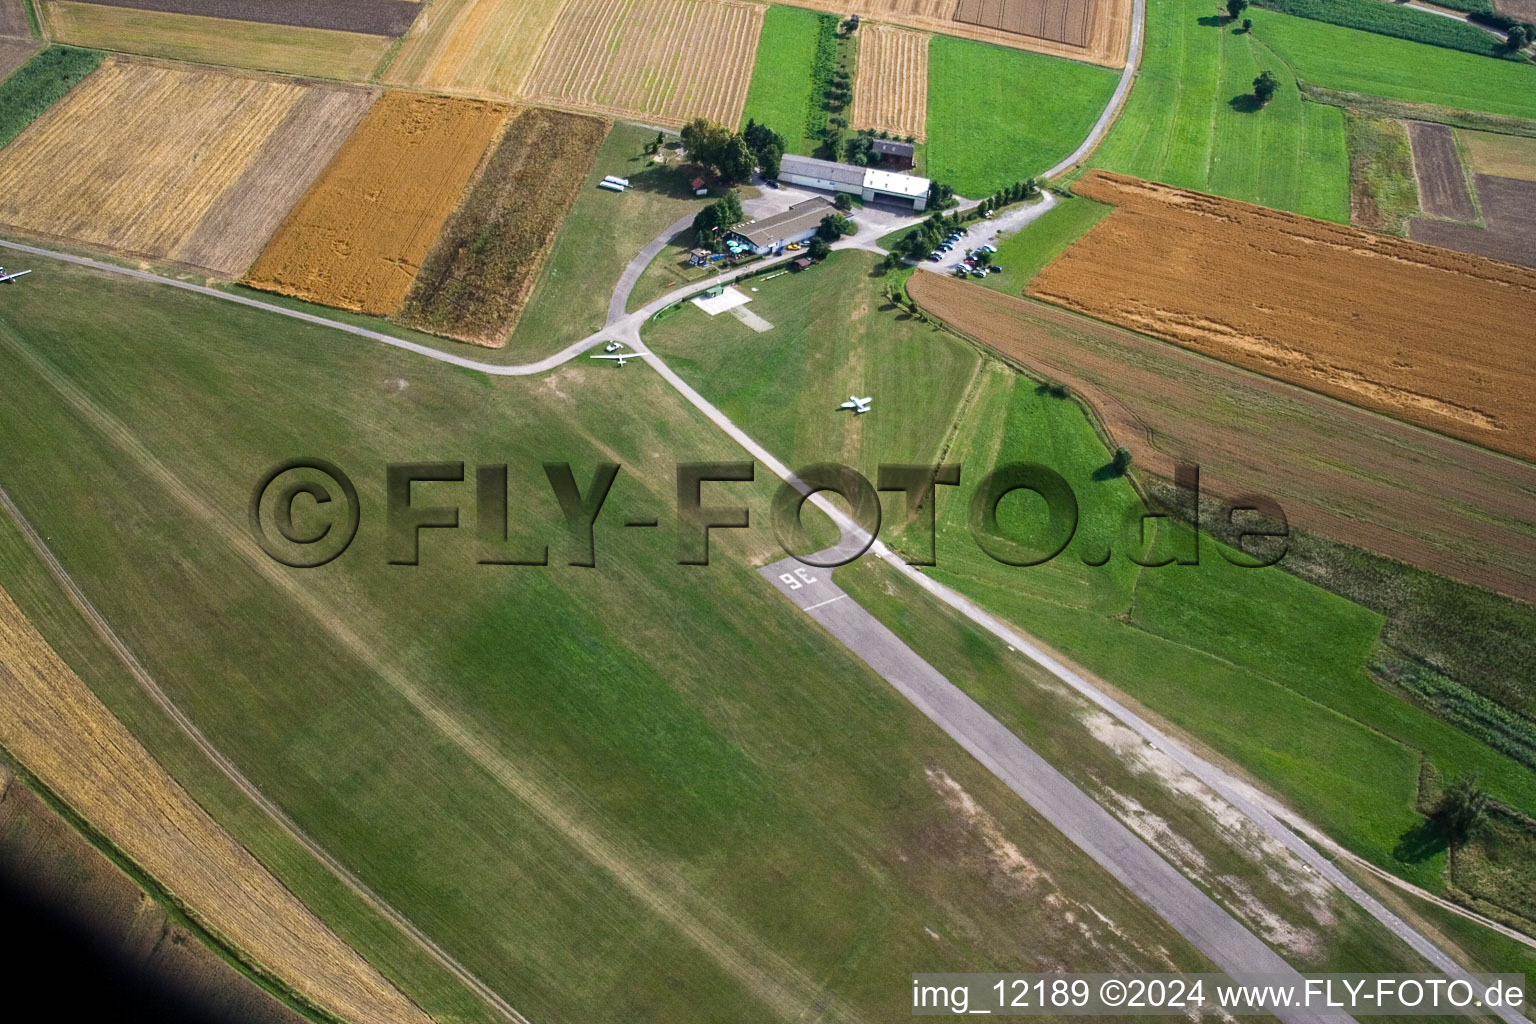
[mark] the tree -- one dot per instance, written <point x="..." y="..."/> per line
<point x="767" y="147"/>
<point x="1236" y="7"/>
<point x="1247" y="25"/>
<point x="718" y="216"/>
<point x="940" y="195"/>
<point x="982" y="258"/>
<point x="1520" y="36"/>
<point x="835" y="226"/>
<point x="843" y="201"/>
<point x="661" y="140"/>
<point x="1463" y="809"/>
<point x="818" y="249"/>
<point x="1264" y="87"/>
<point x="735" y="162"/>
<point x="1122" y="460"/>
<point x="716" y="146"/>
<point x="860" y="150"/>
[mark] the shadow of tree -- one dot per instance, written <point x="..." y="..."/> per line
<point x="1214" y="20"/>
<point x="1247" y="103"/>
<point x="1420" y="843"/>
<point x="1108" y="471"/>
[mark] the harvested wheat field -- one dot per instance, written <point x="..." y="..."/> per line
<point x="52" y="723"/>
<point x="174" y="163"/>
<point x="890" y="91"/>
<point x="1385" y="485"/>
<point x="478" y="276"/>
<point x="1414" y="331"/>
<point x="358" y="238"/>
<point x="666" y="60"/>
<point x="486" y="47"/>
<point x="1096" y="31"/>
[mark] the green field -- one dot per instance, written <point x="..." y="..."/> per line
<point x="1025" y="254"/>
<point x="1392" y="20"/>
<point x="1348" y="59"/>
<point x="998" y="115"/>
<point x="1186" y="122"/>
<point x="586" y="804"/>
<point x="39" y="84"/>
<point x="783" y="88"/>
<point x="1268" y="669"/>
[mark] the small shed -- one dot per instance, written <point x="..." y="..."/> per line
<point x="803" y="263"/>
<point x="700" y="187"/>
<point x="699" y="257"/>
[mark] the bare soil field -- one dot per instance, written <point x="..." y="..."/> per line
<point x="486" y="47"/>
<point x="1437" y="166"/>
<point x="54" y="726"/>
<point x="1502" y="156"/>
<point x="1525" y="10"/>
<point x="358" y="237"/>
<point x="1344" y="472"/>
<point x="13" y="20"/>
<point x="139" y="155"/>
<point x="890" y="91"/>
<point x="14" y="53"/>
<point x="477" y="278"/>
<point x="1509" y="211"/>
<point x="1096" y="31"/>
<point x="1061" y="21"/>
<point x="664" y="60"/>
<point x="46" y="857"/>
<point x="374" y="17"/>
<point x="314" y="52"/>
<point x="1411" y="330"/>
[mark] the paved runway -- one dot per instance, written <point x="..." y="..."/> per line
<point x="1208" y="927"/>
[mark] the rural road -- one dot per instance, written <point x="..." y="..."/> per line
<point x="1117" y="98"/>
<point x="1099" y="834"/>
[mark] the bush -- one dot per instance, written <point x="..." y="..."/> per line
<point x="1393" y="20"/>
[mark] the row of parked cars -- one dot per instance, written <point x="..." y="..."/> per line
<point x="969" y="265"/>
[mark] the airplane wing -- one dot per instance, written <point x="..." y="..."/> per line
<point x="865" y="401"/>
<point x="618" y="355"/>
<point x="7" y="278"/>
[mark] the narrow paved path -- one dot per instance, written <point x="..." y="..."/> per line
<point x="1117" y="99"/>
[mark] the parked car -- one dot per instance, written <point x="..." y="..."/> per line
<point x="978" y="273"/>
<point x="994" y="269"/>
<point x="989" y="248"/>
<point x="935" y="257"/>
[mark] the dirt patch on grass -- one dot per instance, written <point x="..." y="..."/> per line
<point x="55" y="726"/>
<point x="358" y="238"/>
<point x="1407" y="329"/>
<point x="1509" y="211"/>
<point x="1437" y="166"/>
<point x="1339" y="470"/>
<point x="477" y="279"/>
<point x="374" y="17"/>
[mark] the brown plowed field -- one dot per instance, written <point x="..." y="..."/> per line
<point x="486" y="47"/>
<point x="890" y="92"/>
<point x="358" y="238"/>
<point x="664" y="60"/>
<point x="1097" y="31"/>
<point x="1509" y="211"/>
<point x="1344" y="472"/>
<point x="52" y="723"/>
<point x="14" y="53"/>
<point x="1418" y="332"/>
<point x="13" y="20"/>
<point x="138" y="155"/>
<point x="374" y="17"/>
<point x="1437" y="165"/>
<point x="1061" y="21"/>
<point x="478" y="276"/>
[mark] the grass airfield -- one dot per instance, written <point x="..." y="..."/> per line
<point x="586" y="805"/>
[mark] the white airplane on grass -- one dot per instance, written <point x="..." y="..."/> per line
<point x="858" y="405"/>
<point x="9" y="278"/>
<point x="621" y="358"/>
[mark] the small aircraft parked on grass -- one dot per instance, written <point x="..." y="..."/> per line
<point x="858" y="405"/>
<point x="621" y="358"/>
<point x="10" y="278"/>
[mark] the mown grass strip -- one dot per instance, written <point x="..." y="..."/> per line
<point x="784" y="86"/>
<point x="39" y="84"/>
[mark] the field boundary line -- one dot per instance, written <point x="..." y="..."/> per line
<point x="250" y="790"/>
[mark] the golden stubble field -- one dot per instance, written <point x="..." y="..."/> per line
<point x="486" y="47"/>
<point x="174" y="163"/>
<point x="667" y="61"/>
<point x="52" y="723"/>
<point x="890" y="92"/>
<point x="1424" y="334"/>
<point x="358" y="237"/>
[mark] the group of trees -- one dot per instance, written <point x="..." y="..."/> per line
<point x="716" y="218"/>
<point x="1015" y="193"/>
<point x="733" y="156"/>
<point x="940" y="196"/>
<point x="923" y="239"/>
